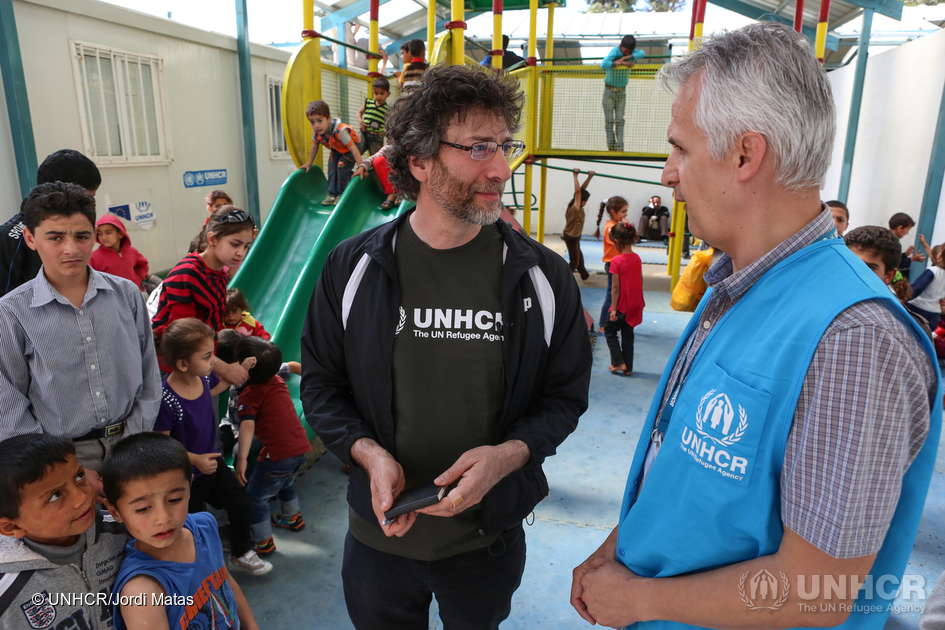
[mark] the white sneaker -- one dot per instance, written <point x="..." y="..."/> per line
<point x="251" y="563"/>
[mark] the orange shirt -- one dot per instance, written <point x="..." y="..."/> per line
<point x="609" y="249"/>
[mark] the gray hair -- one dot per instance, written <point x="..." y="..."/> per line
<point x="763" y="78"/>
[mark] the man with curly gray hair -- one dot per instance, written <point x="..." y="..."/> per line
<point x="794" y="433"/>
<point x="444" y="349"/>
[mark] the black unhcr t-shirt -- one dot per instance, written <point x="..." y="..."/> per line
<point x="448" y="377"/>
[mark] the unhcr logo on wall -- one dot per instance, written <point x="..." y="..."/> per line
<point x="193" y="179"/>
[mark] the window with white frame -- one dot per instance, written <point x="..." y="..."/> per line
<point x="277" y="144"/>
<point x="122" y="107"/>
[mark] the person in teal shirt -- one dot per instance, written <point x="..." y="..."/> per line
<point x="617" y="63"/>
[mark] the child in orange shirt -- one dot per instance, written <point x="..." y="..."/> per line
<point x="343" y="142"/>
<point x="617" y="209"/>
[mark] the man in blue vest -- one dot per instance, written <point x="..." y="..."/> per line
<point x="793" y="437"/>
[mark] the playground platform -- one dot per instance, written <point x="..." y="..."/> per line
<point x="586" y="478"/>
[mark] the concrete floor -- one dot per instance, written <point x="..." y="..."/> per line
<point x="586" y="478"/>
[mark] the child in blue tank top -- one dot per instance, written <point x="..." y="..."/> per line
<point x="173" y="574"/>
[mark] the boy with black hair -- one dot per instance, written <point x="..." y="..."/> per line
<point x="372" y="117"/>
<point x="53" y="540"/>
<point x="901" y="224"/>
<point x="840" y="214"/>
<point x="175" y="562"/>
<point x="617" y="63"/>
<point x="413" y="71"/>
<point x="106" y="383"/>
<point x="266" y="410"/>
<point x="880" y="249"/>
<point x="18" y="263"/>
<point x="343" y="142"/>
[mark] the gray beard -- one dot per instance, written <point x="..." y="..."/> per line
<point x="457" y="197"/>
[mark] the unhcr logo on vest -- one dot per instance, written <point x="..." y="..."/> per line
<point x="716" y="428"/>
<point x="720" y="415"/>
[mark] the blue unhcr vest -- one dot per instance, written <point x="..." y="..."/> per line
<point x="712" y="496"/>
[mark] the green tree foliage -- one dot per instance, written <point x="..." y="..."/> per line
<point x="611" y="6"/>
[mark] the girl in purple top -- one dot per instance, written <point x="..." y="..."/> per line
<point x="186" y="414"/>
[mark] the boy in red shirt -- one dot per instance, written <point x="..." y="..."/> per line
<point x="266" y="410"/>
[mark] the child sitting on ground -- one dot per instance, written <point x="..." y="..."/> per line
<point x="378" y="163"/>
<point x="115" y="255"/>
<point x="626" y="310"/>
<point x="175" y="562"/>
<point x="574" y="224"/>
<point x="929" y="289"/>
<point x="237" y="316"/>
<point x="343" y="142"/>
<point x="187" y="415"/>
<point x="372" y="117"/>
<point x="49" y="525"/>
<point x="266" y="410"/>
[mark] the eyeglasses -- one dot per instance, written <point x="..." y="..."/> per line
<point x="237" y="216"/>
<point x="485" y="150"/>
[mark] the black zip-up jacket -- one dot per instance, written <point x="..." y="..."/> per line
<point x="18" y="263"/>
<point x="347" y="348"/>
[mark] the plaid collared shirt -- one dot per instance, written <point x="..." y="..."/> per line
<point x="862" y="415"/>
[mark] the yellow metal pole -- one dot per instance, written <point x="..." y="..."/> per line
<point x="497" y="6"/>
<point x="676" y="243"/>
<point x="431" y="30"/>
<point x="373" y="38"/>
<point x="457" y="33"/>
<point x="550" y="38"/>
<point x="533" y="28"/>
<point x="309" y="32"/>
<point x="308" y="15"/>
<point x="542" y="200"/>
<point x="527" y="202"/>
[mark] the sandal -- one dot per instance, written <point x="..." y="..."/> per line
<point x="387" y="205"/>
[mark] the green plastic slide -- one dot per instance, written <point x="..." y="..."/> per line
<point x="283" y="265"/>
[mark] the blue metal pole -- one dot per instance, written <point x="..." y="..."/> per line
<point x="246" y="102"/>
<point x="931" y="197"/>
<point x="18" y="106"/>
<point x="853" y="124"/>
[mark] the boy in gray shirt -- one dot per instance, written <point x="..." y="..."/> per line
<point x="58" y="554"/>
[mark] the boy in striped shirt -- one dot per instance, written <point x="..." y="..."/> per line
<point x="373" y="115"/>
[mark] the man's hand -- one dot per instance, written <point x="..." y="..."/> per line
<point x="606" y="552"/>
<point x="606" y="589"/>
<point x="206" y="463"/>
<point x="387" y="481"/>
<point x="477" y="470"/>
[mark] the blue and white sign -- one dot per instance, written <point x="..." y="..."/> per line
<point x="144" y="215"/>
<point x="121" y="211"/>
<point x="192" y="179"/>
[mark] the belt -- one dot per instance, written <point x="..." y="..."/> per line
<point x="97" y="434"/>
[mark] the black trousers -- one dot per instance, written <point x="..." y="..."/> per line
<point x="575" y="255"/>
<point x="224" y="492"/>
<point x="473" y="589"/>
<point x="620" y="355"/>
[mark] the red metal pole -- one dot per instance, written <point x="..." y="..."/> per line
<point x="799" y="15"/>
